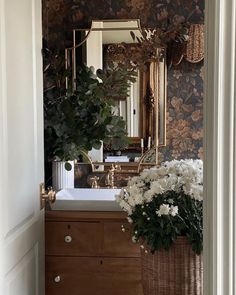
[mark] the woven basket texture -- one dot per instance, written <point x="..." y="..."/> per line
<point x="178" y="271"/>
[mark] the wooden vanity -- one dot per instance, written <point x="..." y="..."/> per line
<point x="88" y="254"/>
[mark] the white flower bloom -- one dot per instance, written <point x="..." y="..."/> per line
<point x="130" y="220"/>
<point x="148" y="195"/>
<point x="133" y="190"/>
<point x="174" y="210"/>
<point x="131" y="201"/>
<point x="133" y="180"/>
<point x="163" y="210"/>
<point x="158" y="186"/>
<point x="178" y="176"/>
<point x="139" y="199"/>
<point x="134" y="239"/>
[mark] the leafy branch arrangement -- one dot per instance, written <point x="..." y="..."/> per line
<point x="157" y="38"/>
<point x="151" y="45"/>
<point x="166" y="202"/>
<point x="79" y="120"/>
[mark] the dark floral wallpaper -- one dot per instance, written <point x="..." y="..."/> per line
<point x="185" y="112"/>
<point x="185" y="82"/>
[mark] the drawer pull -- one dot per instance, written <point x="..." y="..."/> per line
<point x="68" y="239"/>
<point x="57" y="279"/>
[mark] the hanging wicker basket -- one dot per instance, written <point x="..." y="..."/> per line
<point x="178" y="271"/>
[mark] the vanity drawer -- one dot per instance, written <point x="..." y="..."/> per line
<point x="93" y="276"/>
<point x="73" y="238"/>
<point x="118" y="243"/>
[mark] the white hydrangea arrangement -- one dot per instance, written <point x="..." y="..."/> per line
<point x="166" y="202"/>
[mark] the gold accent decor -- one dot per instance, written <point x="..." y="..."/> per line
<point x="195" y="45"/>
<point x="93" y="28"/>
<point x="46" y="195"/>
<point x="110" y="179"/>
<point x="149" y="159"/>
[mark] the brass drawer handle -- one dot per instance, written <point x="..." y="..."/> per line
<point x="68" y="239"/>
<point x="57" y="279"/>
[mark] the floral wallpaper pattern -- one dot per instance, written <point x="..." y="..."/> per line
<point x="185" y="81"/>
<point x="185" y="112"/>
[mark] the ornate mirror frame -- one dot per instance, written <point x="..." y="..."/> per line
<point x="153" y="90"/>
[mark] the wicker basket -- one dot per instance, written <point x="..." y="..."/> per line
<point x="178" y="271"/>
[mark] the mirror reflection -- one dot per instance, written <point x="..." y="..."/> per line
<point x="117" y="44"/>
<point x="109" y="45"/>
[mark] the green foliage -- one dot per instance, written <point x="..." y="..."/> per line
<point x="79" y="120"/>
<point x="151" y="39"/>
<point x="116" y="80"/>
<point x="54" y="75"/>
<point x="161" y="231"/>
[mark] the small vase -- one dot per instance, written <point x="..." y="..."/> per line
<point x="178" y="271"/>
<point x="61" y="178"/>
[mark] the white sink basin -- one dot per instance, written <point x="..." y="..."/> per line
<point x="89" y="199"/>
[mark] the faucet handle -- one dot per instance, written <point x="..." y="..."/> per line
<point x="95" y="182"/>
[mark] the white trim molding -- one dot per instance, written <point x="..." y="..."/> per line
<point x="220" y="149"/>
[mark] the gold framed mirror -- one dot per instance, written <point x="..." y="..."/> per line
<point x="144" y="109"/>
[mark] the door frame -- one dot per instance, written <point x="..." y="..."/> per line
<point x="220" y="149"/>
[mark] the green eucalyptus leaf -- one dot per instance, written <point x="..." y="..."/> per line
<point x="80" y="119"/>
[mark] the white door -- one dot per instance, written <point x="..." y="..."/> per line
<point x="21" y="148"/>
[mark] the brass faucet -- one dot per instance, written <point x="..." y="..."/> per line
<point x="110" y="178"/>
